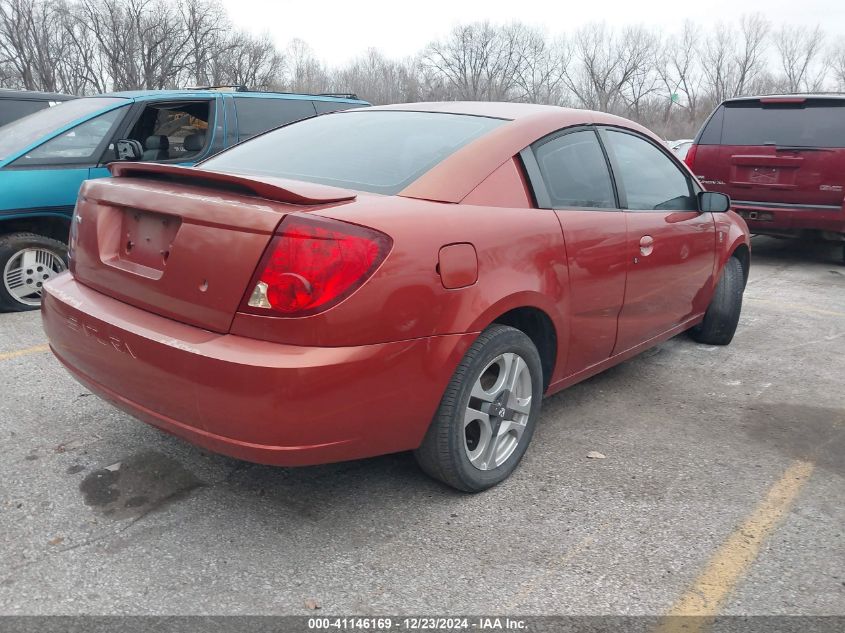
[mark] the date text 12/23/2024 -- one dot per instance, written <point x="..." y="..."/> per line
<point x="421" y="623"/>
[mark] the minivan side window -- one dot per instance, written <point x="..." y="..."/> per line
<point x="172" y="130"/>
<point x="78" y="145"/>
<point x="651" y="179"/>
<point x="575" y="171"/>
<point x="324" y="107"/>
<point x="259" y="115"/>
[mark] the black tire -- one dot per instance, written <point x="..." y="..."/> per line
<point x="10" y="246"/>
<point x="722" y="316"/>
<point x="443" y="453"/>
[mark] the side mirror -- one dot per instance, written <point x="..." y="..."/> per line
<point x="128" y="149"/>
<point x="713" y="202"/>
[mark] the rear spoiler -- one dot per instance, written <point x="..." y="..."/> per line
<point x="278" y="189"/>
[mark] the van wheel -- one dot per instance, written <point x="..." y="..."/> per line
<point x="722" y="316"/>
<point x="488" y="412"/>
<point x="27" y="262"/>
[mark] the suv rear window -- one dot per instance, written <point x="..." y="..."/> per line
<point x="814" y="123"/>
<point x="375" y="151"/>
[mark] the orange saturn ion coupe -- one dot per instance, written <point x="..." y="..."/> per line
<point x="411" y="277"/>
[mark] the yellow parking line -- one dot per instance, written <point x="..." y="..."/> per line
<point x="24" y="352"/>
<point x="797" y="307"/>
<point x="735" y="556"/>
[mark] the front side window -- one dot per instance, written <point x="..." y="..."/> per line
<point x="380" y="151"/>
<point x="20" y="134"/>
<point x="78" y="145"/>
<point x="650" y="179"/>
<point x="575" y="171"/>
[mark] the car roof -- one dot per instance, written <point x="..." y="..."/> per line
<point x="141" y="95"/>
<point x="33" y="95"/>
<point x="453" y="179"/>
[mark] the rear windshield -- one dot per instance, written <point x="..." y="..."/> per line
<point x="375" y="151"/>
<point x="814" y="123"/>
<point x="20" y="134"/>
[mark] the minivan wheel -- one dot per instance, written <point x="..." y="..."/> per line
<point x="722" y="316"/>
<point x="27" y="262"/>
<point x="488" y="412"/>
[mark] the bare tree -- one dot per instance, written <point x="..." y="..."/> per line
<point x="836" y="62"/>
<point x="205" y="23"/>
<point x="799" y="51"/>
<point x="667" y="82"/>
<point x="378" y="79"/>
<point x="31" y="43"/>
<point x="305" y="73"/>
<point x="599" y="63"/>
<point x="539" y="69"/>
<point x="476" y="61"/>
<point x="750" y="58"/>
<point x="678" y="63"/>
<point x="248" y="61"/>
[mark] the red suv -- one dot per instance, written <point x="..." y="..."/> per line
<point x="782" y="161"/>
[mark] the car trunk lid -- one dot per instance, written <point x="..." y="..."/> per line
<point x="179" y="242"/>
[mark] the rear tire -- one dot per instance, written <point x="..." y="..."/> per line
<point x="487" y="415"/>
<point x="722" y="316"/>
<point x="27" y="261"/>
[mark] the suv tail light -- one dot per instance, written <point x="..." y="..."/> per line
<point x="689" y="159"/>
<point x="312" y="264"/>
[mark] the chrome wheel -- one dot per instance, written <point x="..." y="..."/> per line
<point x="498" y="410"/>
<point x="26" y="272"/>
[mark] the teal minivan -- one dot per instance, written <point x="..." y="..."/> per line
<point x="46" y="156"/>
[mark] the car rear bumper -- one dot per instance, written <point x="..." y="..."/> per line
<point x="764" y="218"/>
<point x="250" y="399"/>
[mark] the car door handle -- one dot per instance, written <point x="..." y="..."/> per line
<point x="646" y="245"/>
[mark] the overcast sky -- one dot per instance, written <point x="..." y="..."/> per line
<point x="339" y="30"/>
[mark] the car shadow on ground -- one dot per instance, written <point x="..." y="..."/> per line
<point x="785" y="250"/>
<point x="168" y="470"/>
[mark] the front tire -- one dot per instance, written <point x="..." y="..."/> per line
<point x="487" y="415"/>
<point x="722" y="316"/>
<point x="27" y="262"/>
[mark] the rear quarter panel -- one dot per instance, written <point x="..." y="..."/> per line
<point x="521" y="262"/>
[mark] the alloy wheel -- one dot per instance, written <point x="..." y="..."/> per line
<point x="497" y="412"/>
<point x="28" y="270"/>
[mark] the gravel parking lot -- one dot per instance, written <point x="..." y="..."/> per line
<point x="723" y="478"/>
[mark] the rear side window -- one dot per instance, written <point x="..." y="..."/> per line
<point x="256" y="115"/>
<point x="575" y="171"/>
<point x="650" y="178"/>
<point x="814" y="123"/>
<point x="11" y="109"/>
<point x="375" y="151"/>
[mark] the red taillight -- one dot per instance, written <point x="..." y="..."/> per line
<point x="312" y="264"/>
<point x="689" y="159"/>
